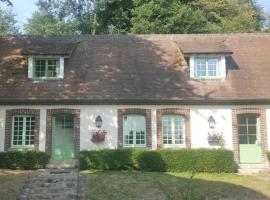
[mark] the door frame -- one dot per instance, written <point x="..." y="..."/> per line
<point x="260" y="112"/>
<point x="63" y="111"/>
<point x="53" y="132"/>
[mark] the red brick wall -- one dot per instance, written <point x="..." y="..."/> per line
<point x="63" y="111"/>
<point x="8" y="125"/>
<point x="146" y="113"/>
<point x="173" y="111"/>
<point x="261" y="113"/>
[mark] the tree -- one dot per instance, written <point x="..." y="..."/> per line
<point x="8" y="2"/>
<point x="231" y="15"/>
<point x="7" y="23"/>
<point x="167" y="16"/>
<point x="47" y="24"/>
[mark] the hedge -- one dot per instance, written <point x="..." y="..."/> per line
<point x="268" y="155"/>
<point x="23" y="160"/>
<point x="171" y="160"/>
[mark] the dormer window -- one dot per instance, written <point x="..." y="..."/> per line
<point x="207" y="67"/>
<point x="45" y="68"/>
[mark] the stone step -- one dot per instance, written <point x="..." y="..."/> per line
<point x="62" y="164"/>
<point x="51" y="184"/>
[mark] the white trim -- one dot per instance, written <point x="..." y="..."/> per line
<point x="61" y="69"/>
<point x="221" y="70"/>
<point x="30" y="67"/>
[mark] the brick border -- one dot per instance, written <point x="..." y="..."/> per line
<point x="145" y="112"/>
<point x="8" y="125"/>
<point x="173" y="111"/>
<point x="257" y="111"/>
<point x="63" y="111"/>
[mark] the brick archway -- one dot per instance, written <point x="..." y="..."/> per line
<point x="63" y="111"/>
<point x="257" y="111"/>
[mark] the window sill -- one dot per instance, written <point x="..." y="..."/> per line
<point x="31" y="148"/>
<point x="174" y="146"/>
<point x="132" y="146"/>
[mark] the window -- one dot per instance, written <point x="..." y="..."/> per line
<point x="173" y="129"/>
<point x="134" y="131"/>
<point x="23" y="131"/>
<point x="248" y="129"/>
<point x="207" y="67"/>
<point x="46" y="68"/>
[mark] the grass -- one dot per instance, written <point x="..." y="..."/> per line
<point x="117" y="185"/>
<point x="11" y="183"/>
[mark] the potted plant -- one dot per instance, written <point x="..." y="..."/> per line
<point x="98" y="135"/>
<point x="216" y="139"/>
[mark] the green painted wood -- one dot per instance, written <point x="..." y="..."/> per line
<point x="62" y="139"/>
<point x="250" y="153"/>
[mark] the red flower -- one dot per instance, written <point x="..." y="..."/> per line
<point x="98" y="135"/>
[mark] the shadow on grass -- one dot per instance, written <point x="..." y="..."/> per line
<point x="171" y="186"/>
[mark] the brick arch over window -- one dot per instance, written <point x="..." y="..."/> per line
<point x="8" y="126"/>
<point x="173" y="111"/>
<point x="256" y="111"/>
<point x="130" y="111"/>
<point x="63" y="111"/>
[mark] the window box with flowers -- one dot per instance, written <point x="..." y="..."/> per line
<point x="216" y="139"/>
<point x="98" y="136"/>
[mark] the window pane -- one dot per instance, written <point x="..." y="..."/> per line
<point x="252" y="120"/>
<point x="173" y="129"/>
<point x="252" y="139"/>
<point x="200" y="67"/>
<point x="252" y="130"/>
<point x="242" y="129"/>
<point x="212" y="67"/>
<point x="134" y="130"/>
<point x="40" y="68"/>
<point x="23" y="130"/>
<point x="52" y="68"/>
<point x="242" y="119"/>
<point x="243" y="139"/>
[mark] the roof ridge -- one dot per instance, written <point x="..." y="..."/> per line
<point x="140" y="35"/>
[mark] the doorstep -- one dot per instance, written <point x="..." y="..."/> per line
<point x="62" y="164"/>
<point x="249" y="169"/>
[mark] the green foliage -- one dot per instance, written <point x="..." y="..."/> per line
<point x="46" y="24"/>
<point x="182" y="160"/>
<point x="268" y="155"/>
<point x="23" y="160"/>
<point x="167" y="16"/>
<point x="145" y="17"/>
<point x="7" y="23"/>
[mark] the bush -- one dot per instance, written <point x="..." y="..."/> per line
<point x="268" y="155"/>
<point x="171" y="160"/>
<point x="23" y="160"/>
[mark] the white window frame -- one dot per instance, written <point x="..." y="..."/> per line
<point x="24" y="133"/>
<point x="134" y="134"/>
<point x="173" y="134"/>
<point x="221" y="69"/>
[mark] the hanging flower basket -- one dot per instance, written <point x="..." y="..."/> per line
<point x="98" y="135"/>
<point x="215" y="139"/>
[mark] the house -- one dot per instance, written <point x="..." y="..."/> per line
<point x="154" y="91"/>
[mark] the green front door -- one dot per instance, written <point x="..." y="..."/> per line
<point x="249" y="139"/>
<point x="62" y="137"/>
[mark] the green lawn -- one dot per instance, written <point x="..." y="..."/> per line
<point x="11" y="183"/>
<point x="117" y="185"/>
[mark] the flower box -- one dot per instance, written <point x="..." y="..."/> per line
<point x="98" y="135"/>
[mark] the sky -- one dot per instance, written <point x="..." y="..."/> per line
<point x="24" y="9"/>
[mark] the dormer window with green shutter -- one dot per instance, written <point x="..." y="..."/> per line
<point x="45" y="68"/>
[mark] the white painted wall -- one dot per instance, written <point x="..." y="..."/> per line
<point x="199" y="123"/>
<point x="268" y="127"/>
<point x="200" y="126"/>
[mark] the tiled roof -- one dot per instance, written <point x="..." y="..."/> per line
<point x="139" y="69"/>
